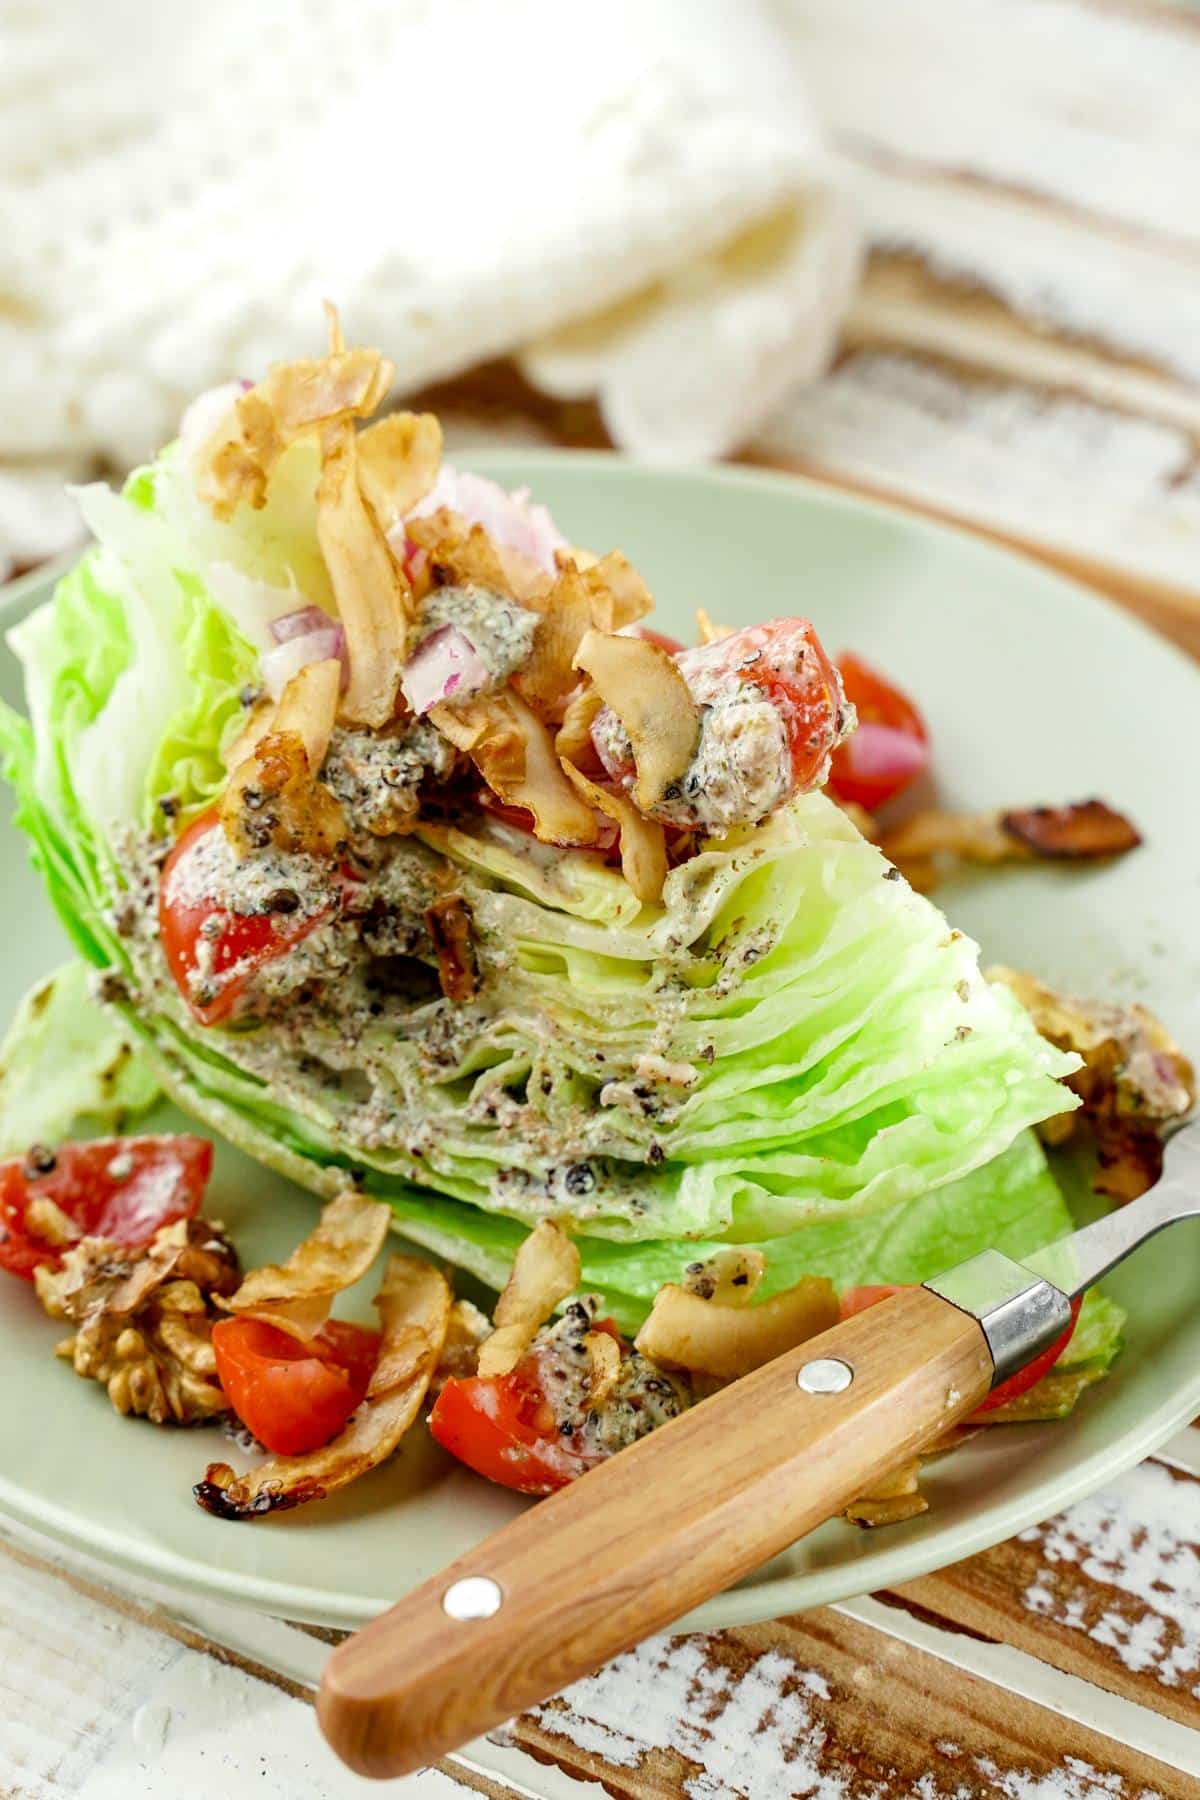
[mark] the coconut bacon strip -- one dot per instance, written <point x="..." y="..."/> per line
<point x="646" y="690"/>
<point x="643" y="841"/>
<point x="273" y="796"/>
<point x="373" y="597"/>
<point x="398" y="462"/>
<point x="545" y="1270"/>
<point x="616" y="592"/>
<point x="708" y="1337"/>
<point x="414" y="1308"/>
<point x="573" y="740"/>
<point x="296" y="1295"/>
<point x="513" y="751"/>
<point x="292" y="400"/>
<point x="1085" y="831"/>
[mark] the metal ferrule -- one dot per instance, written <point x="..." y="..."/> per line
<point x="1020" y="1312"/>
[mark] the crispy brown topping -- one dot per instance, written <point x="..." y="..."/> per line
<point x="726" y="1339"/>
<point x="373" y="596"/>
<point x="890" y="1499"/>
<point x="545" y="1270"/>
<point x="449" y="923"/>
<point x="293" y="400"/>
<point x="271" y="799"/>
<point x="513" y="751"/>
<point x="414" y="1306"/>
<point x="1134" y="1083"/>
<point x="1084" y="830"/>
<point x="273" y="796"/>
<point x="646" y="690"/>
<point x="297" y="1295"/>
<point x="643" y="841"/>
<point x="461" y="555"/>
<point x="398" y="462"/>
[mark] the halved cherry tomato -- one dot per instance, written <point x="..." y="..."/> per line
<point x="245" y="942"/>
<point x="786" y="659"/>
<point x="856" y="1300"/>
<point x="504" y="1428"/>
<point x="118" y="1188"/>
<point x="890" y="746"/>
<point x="293" y="1396"/>
<point x="663" y="639"/>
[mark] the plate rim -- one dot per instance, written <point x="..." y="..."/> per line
<point x="878" y="1568"/>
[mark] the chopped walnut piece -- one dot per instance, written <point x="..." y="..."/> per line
<point x="143" y="1318"/>
<point x="1135" y="1081"/>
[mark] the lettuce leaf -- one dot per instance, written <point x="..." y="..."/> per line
<point x="66" y="1064"/>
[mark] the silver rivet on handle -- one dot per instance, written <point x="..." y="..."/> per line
<point x="474" y="1597"/>
<point x="825" y="1375"/>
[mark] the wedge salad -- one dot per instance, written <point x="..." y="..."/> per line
<point x="411" y="859"/>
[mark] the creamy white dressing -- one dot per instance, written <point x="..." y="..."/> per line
<point x="500" y="630"/>
<point x="377" y="776"/>
<point x="643" y="1398"/>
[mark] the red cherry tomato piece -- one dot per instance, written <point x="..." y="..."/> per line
<point x="293" y="1396"/>
<point x="856" y="1300"/>
<point x="1032" y="1373"/>
<point x="890" y="746"/>
<point x="503" y="1427"/>
<point x="786" y="658"/>
<point x="242" y="942"/>
<point x="124" y="1189"/>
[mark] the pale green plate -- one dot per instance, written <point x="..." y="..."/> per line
<point x="1035" y="690"/>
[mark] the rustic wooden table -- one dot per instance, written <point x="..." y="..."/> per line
<point x="1023" y="357"/>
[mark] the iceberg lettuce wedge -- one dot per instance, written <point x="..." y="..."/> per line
<point x="843" y="1088"/>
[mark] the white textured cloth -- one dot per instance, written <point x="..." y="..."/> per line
<point x="630" y="194"/>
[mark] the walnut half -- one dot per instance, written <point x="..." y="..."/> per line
<point x="143" y="1318"/>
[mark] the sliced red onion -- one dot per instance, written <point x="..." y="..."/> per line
<point x="414" y="559"/>
<point x="510" y="519"/>
<point x="446" y="663"/>
<point x="295" y="653"/>
<point x="878" y="752"/>
<point x="300" y="623"/>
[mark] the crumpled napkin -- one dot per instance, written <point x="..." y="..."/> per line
<point x="629" y="195"/>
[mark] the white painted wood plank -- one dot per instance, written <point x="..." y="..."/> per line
<point x="81" y="1672"/>
<point x="1049" y="468"/>
<point x="1092" y="105"/>
<point x="103" y="1708"/>
<point x="96" y="1705"/>
<point x="1129" y="297"/>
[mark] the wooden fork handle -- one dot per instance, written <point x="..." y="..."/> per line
<point x="645" y="1537"/>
